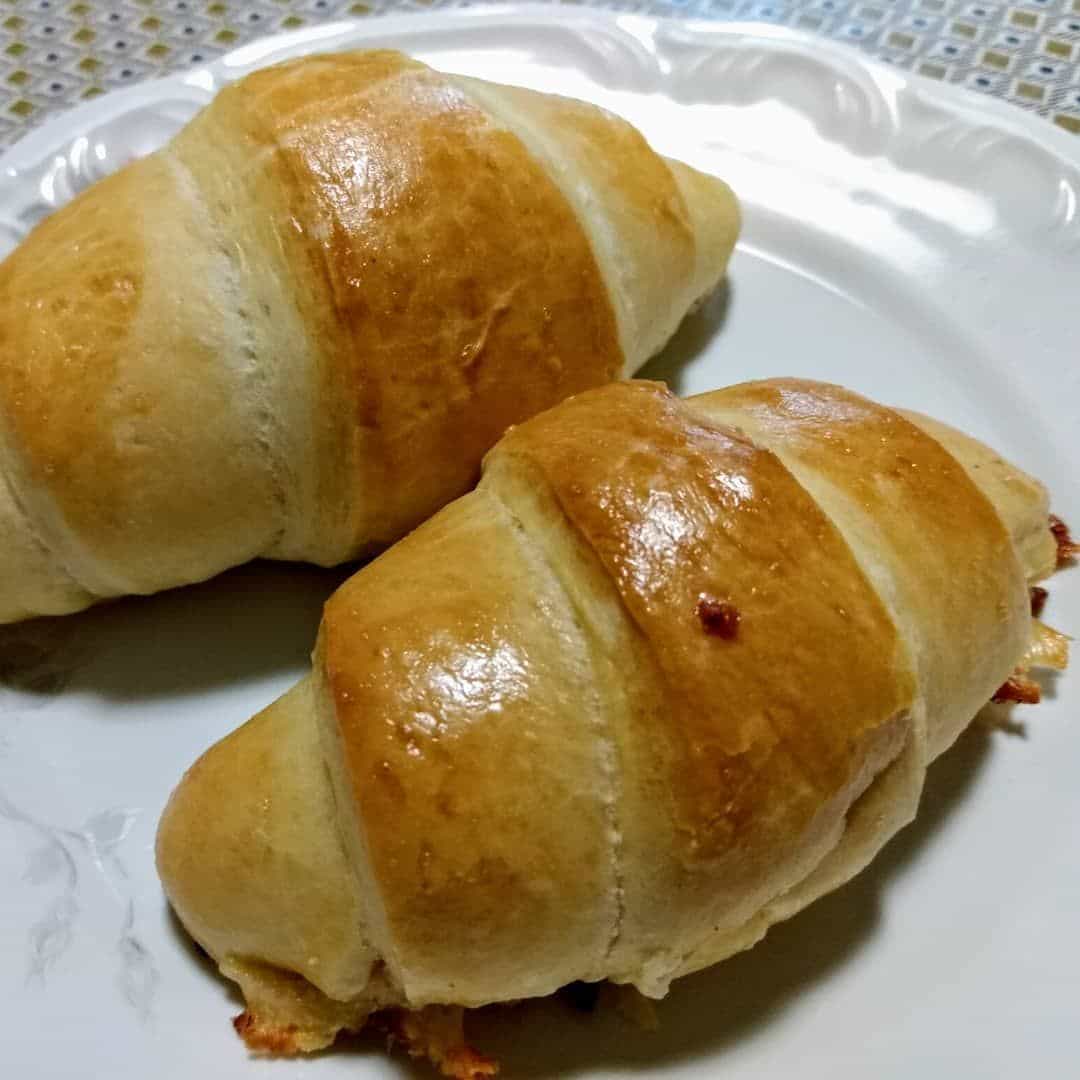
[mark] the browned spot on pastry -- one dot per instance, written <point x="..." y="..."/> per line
<point x="1020" y="689"/>
<point x="1038" y="599"/>
<point x="266" y="1038"/>
<point x="1067" y="547"/>
<point x="718" y="617"/>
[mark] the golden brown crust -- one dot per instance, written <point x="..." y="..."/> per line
<point x="938" y="550"/>
<point x="105" y="369"/>
<point x="742" y="750"/>
<point x="436" y="674"/>
<point x="942" y="533"/>
<point x="294" y="331"/>
<point x="461" y="696"/>
<point x="249" y="852"/>
<point x="656" y="259"/>
<point x="449" y="286"/>
<point x="655" y="685"/>
<point x="679" y="513"/>
<point x="620" y="159"/>
<point x="1021" y="502"/>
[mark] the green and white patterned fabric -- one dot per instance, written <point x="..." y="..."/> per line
<point x="55" y="53"/>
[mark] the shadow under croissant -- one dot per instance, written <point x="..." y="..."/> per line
<point x="715" y="1009"/>
<point x="252" y="621"/>
<point x="694" y="335"/>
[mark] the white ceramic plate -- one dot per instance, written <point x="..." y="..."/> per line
<point x="902" y="237"/>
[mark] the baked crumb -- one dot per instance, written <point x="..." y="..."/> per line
<point x="1067" y="547"/>
<point x="1020" y="689"/>
<point x="437" y="1034"/>
<point x="1038" y="600"/>
<point x="260" y="1038"/>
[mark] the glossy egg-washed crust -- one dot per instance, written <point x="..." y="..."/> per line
<point x="294" y="331"/>
<point x="673" y="670"/>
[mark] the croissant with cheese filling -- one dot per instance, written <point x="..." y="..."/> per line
<point x="672" y="671"/>
<point x="294" y="331"/>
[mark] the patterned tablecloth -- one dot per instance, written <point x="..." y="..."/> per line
<point x="54" y="53"/>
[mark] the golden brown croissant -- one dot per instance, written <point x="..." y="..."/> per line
<point x="295" y="330"/>
<point x="671" y="672"/>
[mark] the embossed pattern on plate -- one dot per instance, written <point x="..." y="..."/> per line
<point x="902" y="237"/>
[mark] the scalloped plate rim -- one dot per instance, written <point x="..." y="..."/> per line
<point x="36" y="144"/>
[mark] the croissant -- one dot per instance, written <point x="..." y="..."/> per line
<point x="673" y="670"/>
<point x="294" y="331"/>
